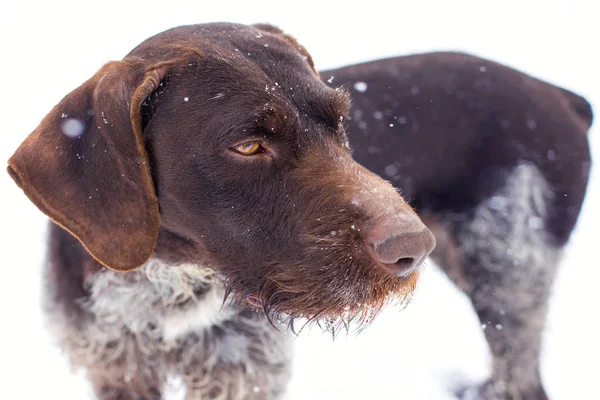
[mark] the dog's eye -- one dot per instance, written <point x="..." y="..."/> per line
<point x="248" y="148"/>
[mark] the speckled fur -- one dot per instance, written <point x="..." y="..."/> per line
<point x="163" y="320"/>
<point x="507" y="267"/>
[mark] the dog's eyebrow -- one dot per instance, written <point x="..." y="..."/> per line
<point x="331" y="108"/>
<point x="340" y="103"/>
<point x="274" y="118"/>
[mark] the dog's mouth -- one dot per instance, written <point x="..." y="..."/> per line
<point x="254" y="301"/>
<point x="335" y="301"/>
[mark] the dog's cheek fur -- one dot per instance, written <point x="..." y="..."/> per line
<point x="235" y="214"/>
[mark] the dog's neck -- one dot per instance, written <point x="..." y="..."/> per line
<point x="166" y="301"/>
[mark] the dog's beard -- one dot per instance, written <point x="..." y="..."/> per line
<point x="331" y="287"/>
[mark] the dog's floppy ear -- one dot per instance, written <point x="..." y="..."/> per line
<point x="85" y="166"/>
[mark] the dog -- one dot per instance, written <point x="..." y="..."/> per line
<point x="210" y="163"/>
<point x="496" y="163"/>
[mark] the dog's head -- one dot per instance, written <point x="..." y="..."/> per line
<point x="218" y="144"/>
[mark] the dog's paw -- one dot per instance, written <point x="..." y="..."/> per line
<point x="491" y="390"/>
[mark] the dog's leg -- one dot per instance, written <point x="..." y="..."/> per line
<point x="134" y="375"/>
<point x="114" y="384"/>
<point x="244" y="358"/>
<point x="119" y="365"/>
<point x="500" y="255"/>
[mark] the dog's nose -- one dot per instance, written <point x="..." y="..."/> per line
<point x="399" y="243"/>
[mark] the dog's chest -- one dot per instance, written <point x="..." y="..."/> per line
<point x="159" y="300"/>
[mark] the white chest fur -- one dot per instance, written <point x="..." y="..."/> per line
<point x="160" y="300"/>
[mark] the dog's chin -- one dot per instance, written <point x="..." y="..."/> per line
<point x="336" y="304"/>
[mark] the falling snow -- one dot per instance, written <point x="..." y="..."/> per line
<point x="498" y="202"/>
<point x="535" y="223"/>
<point x="531" y="124"/>
<point x="72" y="127"/>
<point x="360" y="87"/>
<point x="391" y="170"/>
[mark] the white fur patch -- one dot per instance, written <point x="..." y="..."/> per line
<point x="203" y="314"/>
<point x="147" y="327"/>
<point x="170" y="301"/>
<point x="510" y="225"/>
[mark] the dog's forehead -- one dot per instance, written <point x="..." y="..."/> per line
<point x="256" y="72"/>
<point x="280" y="59"/>
<point x="226" y="40"/>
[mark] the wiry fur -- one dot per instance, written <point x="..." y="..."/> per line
<point x="173" y="300"/>
<point x="163" y="320"/>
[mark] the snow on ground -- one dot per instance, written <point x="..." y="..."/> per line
<point x="420" y="353"/>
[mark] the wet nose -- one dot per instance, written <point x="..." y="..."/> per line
<point x="399" y="243"/>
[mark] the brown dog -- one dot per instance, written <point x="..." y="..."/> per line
<point x="497" y="163"/>
<point x="211" y="160"/>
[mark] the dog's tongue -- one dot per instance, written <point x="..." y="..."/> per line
<point x="254" y="301"/>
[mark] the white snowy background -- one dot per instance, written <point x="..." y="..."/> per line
<point x="48" y="49"/>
